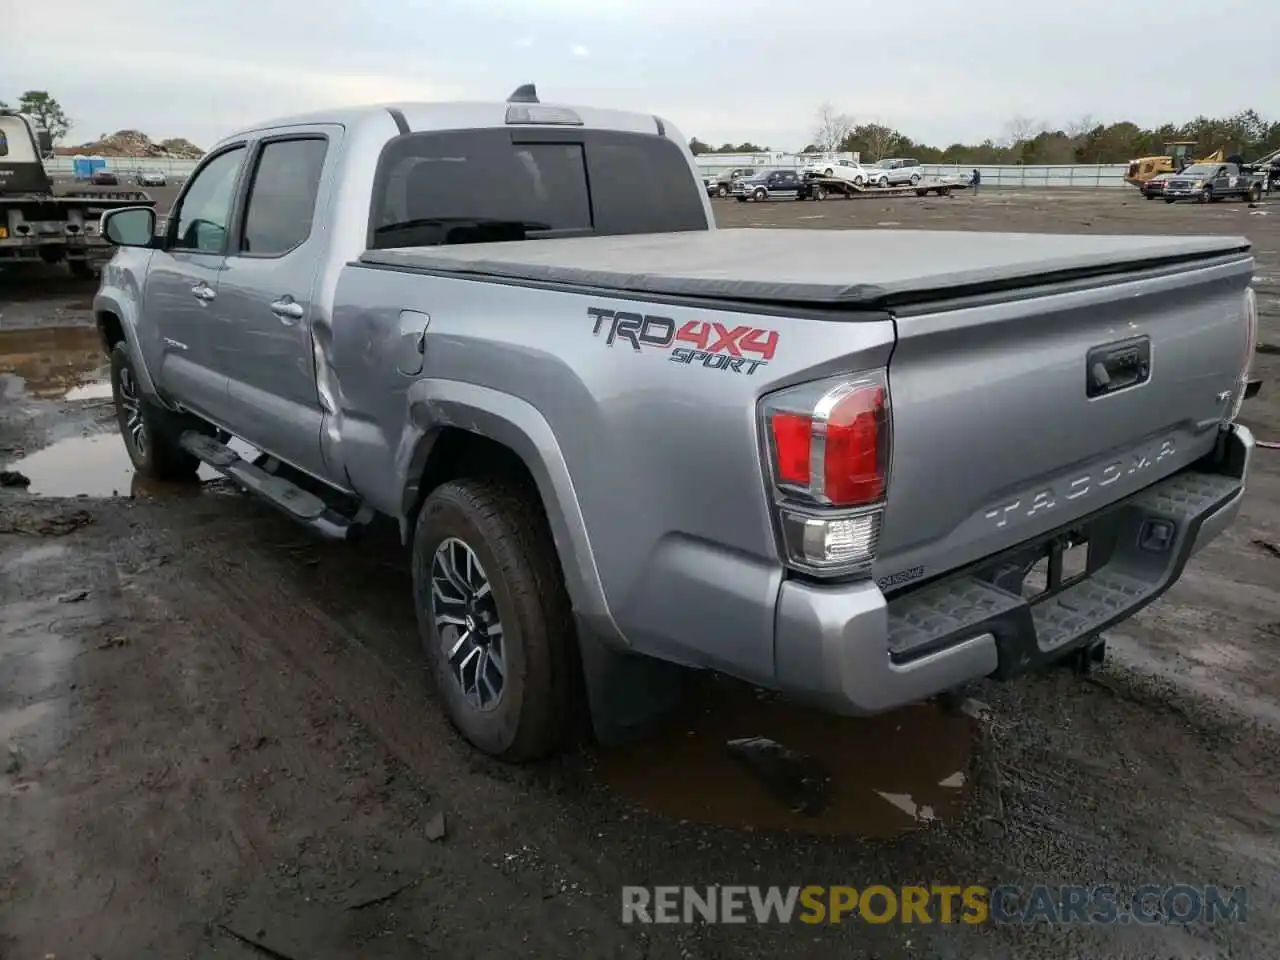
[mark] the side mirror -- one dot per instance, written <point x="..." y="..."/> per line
<point x="44" y="140"/>
<point x="130" y="227"/>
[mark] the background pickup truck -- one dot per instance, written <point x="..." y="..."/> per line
<point x="854" y="466"/>
<point x="1211" y="182"/>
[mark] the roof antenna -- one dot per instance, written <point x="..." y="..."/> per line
<point x="525" y="93"/>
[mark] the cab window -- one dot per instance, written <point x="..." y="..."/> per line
<point x="205" y="212"/>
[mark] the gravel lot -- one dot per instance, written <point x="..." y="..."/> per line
<point x="216" y="739"/>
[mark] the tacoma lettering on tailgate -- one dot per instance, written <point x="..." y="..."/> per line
<point x="713" y="345"/>
<point x="1065" y="491"/>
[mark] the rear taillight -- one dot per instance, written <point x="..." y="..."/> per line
<point x="828" y="446"/>
<point x="1250" y="347"/>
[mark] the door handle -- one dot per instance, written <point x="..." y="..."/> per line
<point x="203" y="292"/>
<point x="287" y="309"/>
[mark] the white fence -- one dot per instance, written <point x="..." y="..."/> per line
<point x="1079" y="175"/>
<point x="1043" y="175"/>
<point x="1040" y="175"/>
<point x="62" y="166"/>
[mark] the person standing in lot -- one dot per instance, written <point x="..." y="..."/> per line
<point x="975" y="179"/>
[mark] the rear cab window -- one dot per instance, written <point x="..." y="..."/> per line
<point x="282" y="196"/>
<point x="480" y="186"/>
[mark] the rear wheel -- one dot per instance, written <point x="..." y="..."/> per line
<point x="828" y="172"/>
<point x="915" y="178"/>
<point x="494" y="617"/>
<point x="722" y="192"/>
<point x="1255" y="194"/>
<point x="150" y="433"/>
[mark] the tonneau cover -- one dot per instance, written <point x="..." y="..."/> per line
<point x="832" y="267"/>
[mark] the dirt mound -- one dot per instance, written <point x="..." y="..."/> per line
<point x="135" y="143"/>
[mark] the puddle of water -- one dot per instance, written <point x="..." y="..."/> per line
<point x="55" y="361"/>
<point x="96" y="466"/>
<point x="99" y="390"/>
<point x="20" y="719"/>
<point x="888" y="774"/>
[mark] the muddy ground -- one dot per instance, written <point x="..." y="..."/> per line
<point x="216" y="739"/>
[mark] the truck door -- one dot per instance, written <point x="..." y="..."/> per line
<point x="1224" y="181"/>
<point x="266" y="300"/>
<point x="182" y="285"/>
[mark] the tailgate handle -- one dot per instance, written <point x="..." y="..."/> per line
<point x="1112" y="367"/>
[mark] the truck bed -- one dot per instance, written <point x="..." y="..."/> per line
<point x="831" y="268"/>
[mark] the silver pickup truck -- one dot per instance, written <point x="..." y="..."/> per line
<point x="852" y="466"/>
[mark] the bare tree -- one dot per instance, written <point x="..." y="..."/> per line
<point x="832" y="129"/>
<point x="1019" y="130"/>
<point x="1081" y="125"/>
<point x="879" y="139"/>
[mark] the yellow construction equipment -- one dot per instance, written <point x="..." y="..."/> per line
<point x="1175" y="158"/>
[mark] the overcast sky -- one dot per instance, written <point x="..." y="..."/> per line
<point x="718" y="69"/>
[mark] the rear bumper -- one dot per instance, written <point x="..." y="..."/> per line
<point x="850" y="650"/>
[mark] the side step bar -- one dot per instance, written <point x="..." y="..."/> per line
<point x="301" y="505"/>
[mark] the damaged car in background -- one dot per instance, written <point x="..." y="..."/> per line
<point x="859" y="467"/>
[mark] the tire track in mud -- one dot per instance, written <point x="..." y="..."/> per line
<point x="244" y="594"/>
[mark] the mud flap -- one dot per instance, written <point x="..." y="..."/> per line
<point x="627" y="694"/>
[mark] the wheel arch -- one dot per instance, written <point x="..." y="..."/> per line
<point x="456" y="428"/>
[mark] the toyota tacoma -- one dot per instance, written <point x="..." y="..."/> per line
<point x="853" y="466"/>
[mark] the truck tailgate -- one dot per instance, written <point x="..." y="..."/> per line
<point x="1015" y="417"/>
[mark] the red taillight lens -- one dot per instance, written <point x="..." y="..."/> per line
<point x="852" y="467"/>
<point x="830" y="441"/>
<point x="792" y="433"/>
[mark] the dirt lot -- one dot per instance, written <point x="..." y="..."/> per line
<point x="216" y="739"/>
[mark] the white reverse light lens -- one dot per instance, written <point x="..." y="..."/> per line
<point x="835" y="543"/>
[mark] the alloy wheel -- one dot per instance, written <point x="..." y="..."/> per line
<point x="465" y="614"/>
<point x="135" y="427"/>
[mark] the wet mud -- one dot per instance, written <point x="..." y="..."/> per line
<point x="883" y="776"/>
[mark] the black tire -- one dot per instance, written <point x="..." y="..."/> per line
<point x="1167" y="200"/>
<point x="915" y="178"/>
<point x="722" y="192"/>
<point x="760" y="195"/>
<point x="828" y="172"/>
<point x="504" y="527"/>
<point x="1254" y="195"/>
<point x="1206" y="195"/>
<point x="150" y="434"/>
<point x="820" y="193"/>
<point x="882" y="182"/>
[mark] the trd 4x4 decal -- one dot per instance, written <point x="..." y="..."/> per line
<point x="716" y="346"/>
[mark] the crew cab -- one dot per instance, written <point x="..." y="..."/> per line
<point x="770" y="185"/>
<point x="721" y="184"/>
<point x="619" y="443"/>
<point x="1211" y="182"/>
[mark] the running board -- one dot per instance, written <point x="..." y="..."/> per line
<point x="301" y="505"/>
